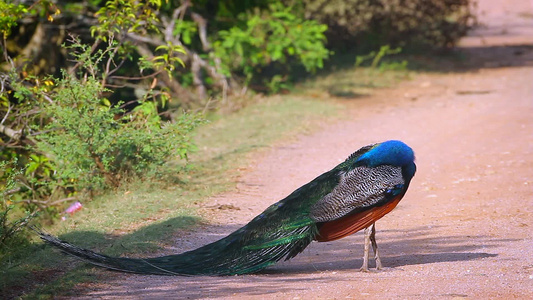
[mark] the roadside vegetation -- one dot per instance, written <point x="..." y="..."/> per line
<point x="118" y="117"/>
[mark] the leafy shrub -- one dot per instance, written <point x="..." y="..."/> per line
<point x="94" y="144"/>
<point x="274" y="36"/>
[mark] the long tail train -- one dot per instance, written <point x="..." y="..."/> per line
<point x="239" y="253"/>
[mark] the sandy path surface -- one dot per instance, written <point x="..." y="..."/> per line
<point x="465" y="227"/>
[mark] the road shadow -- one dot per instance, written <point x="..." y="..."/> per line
<point x="415" y="246"/>
<point x="474" y="58"/>
<point x="145" y="240"/>
<point x="321" y="262"/>
<point x="506" y="45"/>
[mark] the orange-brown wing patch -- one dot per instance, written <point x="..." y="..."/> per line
<point x="345" y="226"/>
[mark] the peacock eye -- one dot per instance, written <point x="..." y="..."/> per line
<point x="395" y="190"/>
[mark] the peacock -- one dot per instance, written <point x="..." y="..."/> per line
<point x="349" y="198"/>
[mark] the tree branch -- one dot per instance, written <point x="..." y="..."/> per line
<point x="202" y="30"/>
<point x="12" y="134"/>
<point x="187" y="96"/>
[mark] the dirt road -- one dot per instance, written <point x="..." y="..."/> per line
<point x="465" y="227"/>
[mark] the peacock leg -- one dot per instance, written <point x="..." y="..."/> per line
<point x="379" y="266"/>
<point x="364" y="268"/>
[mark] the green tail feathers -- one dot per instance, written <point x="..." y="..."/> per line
<point x="247" y="250"/>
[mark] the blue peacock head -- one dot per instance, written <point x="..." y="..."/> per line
<point x="392" y="152"/>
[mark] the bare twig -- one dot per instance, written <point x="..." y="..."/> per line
<point x="12" y="191"/>
<point x="196" y="70"/>
<point x="202" y="30"/>
<point x="79" y="63"/>
<point x="62" y="200"/>
<point x="7" y="114"/>
<point x="46" y="203"/>
<point x="137" y="78"/>
<point x="177" y="14"/>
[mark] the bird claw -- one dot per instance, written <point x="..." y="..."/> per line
<point x="379" y="266"/>
<point x="367" y="270"/>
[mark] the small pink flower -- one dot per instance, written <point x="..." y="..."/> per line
<point x="73" y="208"/>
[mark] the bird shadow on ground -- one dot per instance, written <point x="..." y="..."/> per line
<point x="146" y="239"/>
<point x="321" y="263"/>
<point x="415" y="246"/>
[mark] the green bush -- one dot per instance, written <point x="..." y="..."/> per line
<point x="274" y="36"/>
<point x="93" y="145"/>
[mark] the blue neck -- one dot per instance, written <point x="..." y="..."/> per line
<point x="395" y="153"/>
